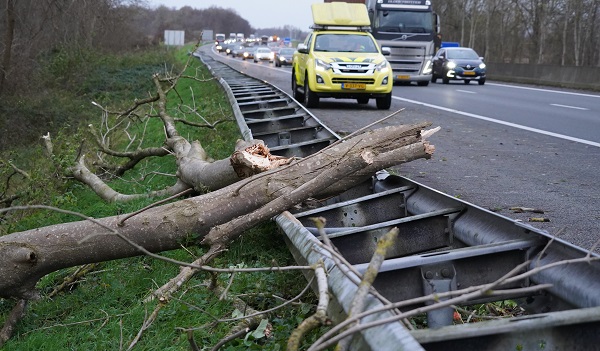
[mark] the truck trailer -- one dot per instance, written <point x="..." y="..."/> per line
<point x="408" y="28"/>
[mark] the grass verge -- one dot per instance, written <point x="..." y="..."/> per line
<point x="103" y="310"/>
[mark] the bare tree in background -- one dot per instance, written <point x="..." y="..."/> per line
<point x="562" y="32"/>
<point x="9" y="32"/>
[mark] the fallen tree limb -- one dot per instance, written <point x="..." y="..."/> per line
<point x="27" y="256"/>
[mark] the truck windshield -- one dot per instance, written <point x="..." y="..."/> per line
<point x="404" y="22"/>
<point x="345" y="43"/>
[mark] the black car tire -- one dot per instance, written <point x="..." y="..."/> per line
<point x="481" y="82"/>
<point x="445" y="80"/>
<point x="362" y="100"/>
<point x="310" y="98"/>
<point x="433" y="78"/>
<point x="297" y="94"/>
<point x="423" y="83"/>
<point x="384" y="103"/>
<point x="467" y="81"/>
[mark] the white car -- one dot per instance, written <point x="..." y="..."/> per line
<point x="263" y="54"/>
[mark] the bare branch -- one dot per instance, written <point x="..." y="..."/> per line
<point x="319" y="317"/>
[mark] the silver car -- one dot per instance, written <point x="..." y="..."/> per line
<point x="263" y="53"/>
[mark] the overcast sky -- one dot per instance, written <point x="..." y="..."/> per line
<point x="259" y="13"/>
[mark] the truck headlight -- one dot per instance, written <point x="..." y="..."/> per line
<point x="321" y="65"/>
<point x="382" y="66"/>
<point x="427" y="68"/>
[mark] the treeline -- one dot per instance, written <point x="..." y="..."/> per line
<point x="31" y="31"/>
<point x="560" y="32"/>
<point x="564" y="32"/>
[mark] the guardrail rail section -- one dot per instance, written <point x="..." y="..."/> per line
<point x="444" y="245"/>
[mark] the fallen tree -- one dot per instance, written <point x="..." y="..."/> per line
<point x="27" y="256"/>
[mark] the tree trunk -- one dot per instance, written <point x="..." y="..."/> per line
<point x="8" y="40"/>
<point x="27" y="256"/>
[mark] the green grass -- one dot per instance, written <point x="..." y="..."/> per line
<point x="104" y="309"/>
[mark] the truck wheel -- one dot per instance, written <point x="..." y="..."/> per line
<point x="384" y="103"/>
<point x="297" y="94"/>
<point x="310" y="99"/>
<point x="362" y="100"/>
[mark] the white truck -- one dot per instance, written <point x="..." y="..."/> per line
<point x="408" y="28"/>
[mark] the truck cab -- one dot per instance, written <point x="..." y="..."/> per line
<point x="340" y="59"/>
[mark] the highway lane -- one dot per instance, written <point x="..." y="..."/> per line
<point x="568" y="114"/>
<point x="509" y="146"/>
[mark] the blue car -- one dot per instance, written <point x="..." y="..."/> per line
<point x="458" y="63"/>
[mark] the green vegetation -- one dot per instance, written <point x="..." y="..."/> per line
<point x="103" y="310"/>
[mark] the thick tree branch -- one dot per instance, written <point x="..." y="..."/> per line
<point x="29" y="255"/>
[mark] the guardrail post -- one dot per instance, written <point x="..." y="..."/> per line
<point x="439" y="279"/>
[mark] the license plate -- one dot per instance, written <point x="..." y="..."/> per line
<point x="468" y="73"/>
<point x="354" y="86"/>
<point x="403" y="77"/>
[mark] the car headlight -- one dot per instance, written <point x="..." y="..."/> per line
<point x="321" y="65"/>
<point x="451" y="65"/>
<point x="245" y="54"/>
<point x="482" y="65"/>
<point x="382" y="66"/>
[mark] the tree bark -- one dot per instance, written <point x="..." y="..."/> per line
<point x="27" y="256"/>
<point x="9" y="36"/>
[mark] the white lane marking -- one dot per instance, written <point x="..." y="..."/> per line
<point x="472" y="115"/>
<point x="466" y="91"/>
<point x="544" y="90"/>
<point x="573" y="107"/>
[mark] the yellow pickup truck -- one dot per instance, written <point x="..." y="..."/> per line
<point x="341" y="59"/>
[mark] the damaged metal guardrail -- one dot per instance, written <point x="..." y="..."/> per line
<point x="444" y="245"/>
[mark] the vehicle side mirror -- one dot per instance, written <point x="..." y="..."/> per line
<point x="386" y="51"/>
<point x="481" y="58"/>
<point x="302" y="48"/>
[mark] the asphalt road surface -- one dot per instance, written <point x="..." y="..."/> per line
<point x="500" y="146"/>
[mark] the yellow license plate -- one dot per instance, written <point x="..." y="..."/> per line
<point x="354" y="86"/>
<point x="403" y="77"/>
<point x="468" y="73"/>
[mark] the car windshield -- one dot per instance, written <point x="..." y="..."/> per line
<point x="462" y="54"/>
<point x="286" y="51"/>
<point x="345" y="43"/>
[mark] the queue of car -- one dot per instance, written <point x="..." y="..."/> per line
<point x="258" y="51"/>
<point x="448" y="64"/>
